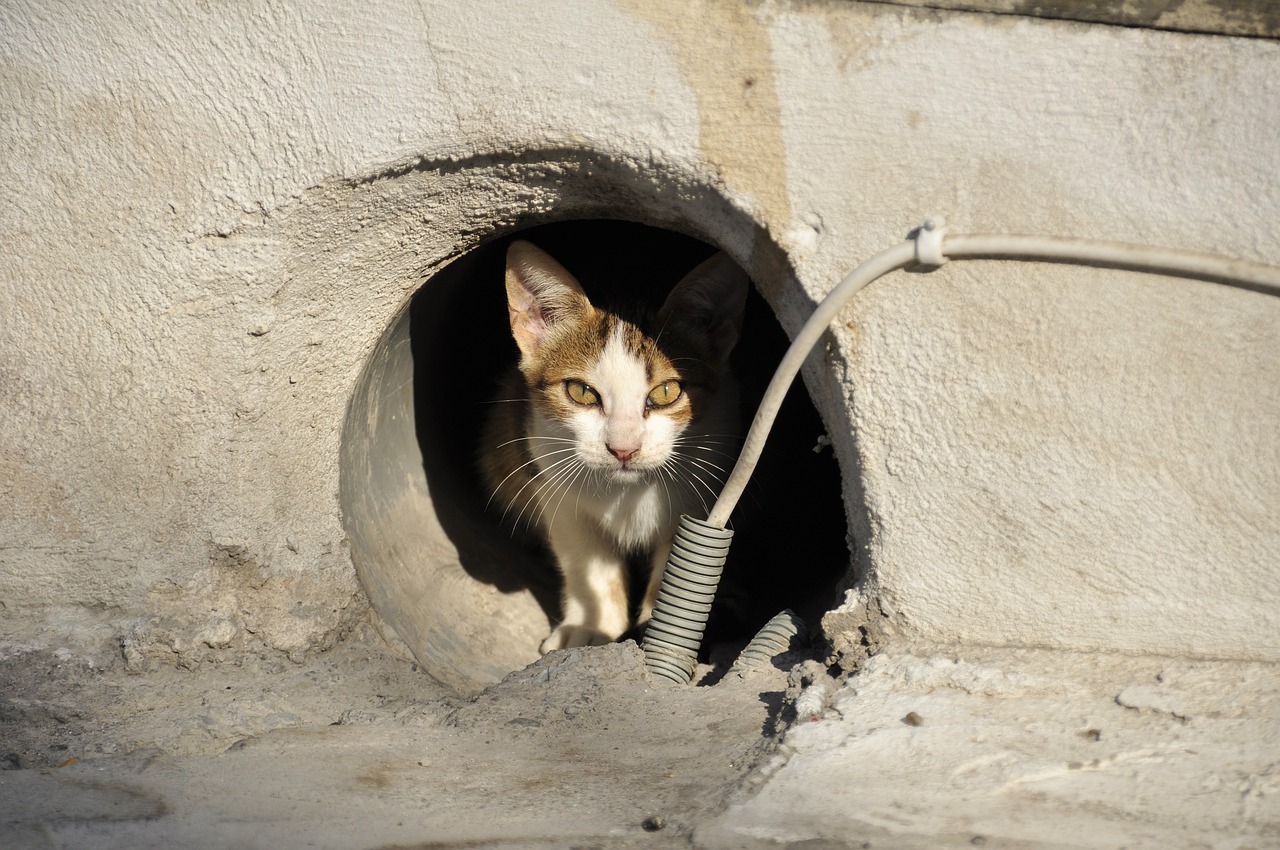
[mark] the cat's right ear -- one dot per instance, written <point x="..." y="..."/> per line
<point x="709" y="303"/>
<point x="540" y="294"/>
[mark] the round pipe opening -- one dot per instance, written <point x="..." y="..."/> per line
<point x="470" y="600"/>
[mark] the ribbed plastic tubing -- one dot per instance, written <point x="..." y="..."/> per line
<point x="674" y="634"/>
<point x="775" y="637"/>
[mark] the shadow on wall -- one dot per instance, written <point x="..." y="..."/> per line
<point x="461" y="346"/>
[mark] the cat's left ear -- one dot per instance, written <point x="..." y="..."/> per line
<point x="540" y="293"/>
<point x="709" y="301"/>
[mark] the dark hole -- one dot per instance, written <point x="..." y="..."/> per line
<point x="789" y="548"/>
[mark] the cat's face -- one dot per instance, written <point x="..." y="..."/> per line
<point x="607" y="387"/>
<point x="620" y="396"/>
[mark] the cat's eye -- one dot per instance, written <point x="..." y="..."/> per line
<point x="581" y="393"/>
<point x="664" y="394"/>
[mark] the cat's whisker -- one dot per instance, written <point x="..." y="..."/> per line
<point x="750" y="492"/>
<point x="688" y="486"/>
<point x="703" y="444"/>
<point x="703" y="454"/>
<point x="711" y="491"/>
<point x="700" y="488"/>
<point x="703" y="461"/>
<point x="524" y="506"/>
<point x="713" y="472"/>
<point x="599" y="480"/>
<point x="564" y="491"/>
<point x="577" y="503"/>
<point x="731" y="457"/>
<point x="663" y="473"/>
<point x="540" y="439"/>
<point x="537" y="501"/>
<point x="697" y="494"/>
<point x="704" y="438"/>
<point x="543" y="456"/>
<point x="708" y="454"/>
<point x="534" y="460"/>
<point x="569" y="483"/>
<point x="559" y="463"/>
<point x="554" y="472"/>
<point x="708" y="442"/>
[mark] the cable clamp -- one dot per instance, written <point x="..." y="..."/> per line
<point x="928" y="237"/>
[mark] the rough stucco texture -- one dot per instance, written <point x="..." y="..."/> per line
<point x="212" y="214"/>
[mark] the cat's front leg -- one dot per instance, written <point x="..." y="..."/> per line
<point x="594" y="599"/>
<point x="658" y="565"/>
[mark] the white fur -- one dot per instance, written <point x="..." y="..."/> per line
<point x="595" y="508"/>
<point x="634" y="506"/>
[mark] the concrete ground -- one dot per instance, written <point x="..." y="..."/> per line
<point x="354" y="748"/>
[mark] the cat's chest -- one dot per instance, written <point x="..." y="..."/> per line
<point x="638" y="516"/>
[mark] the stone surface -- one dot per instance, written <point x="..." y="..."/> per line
<point x="356" y="748"/>
<point x="1024" y="749"/>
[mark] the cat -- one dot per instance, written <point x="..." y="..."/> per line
<point x="612" y="426"/>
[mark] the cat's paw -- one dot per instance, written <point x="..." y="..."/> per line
<point x="570" y="635"/>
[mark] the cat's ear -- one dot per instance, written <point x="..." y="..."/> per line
<point x="540" y="293"/>
<point x="709" y="301"/>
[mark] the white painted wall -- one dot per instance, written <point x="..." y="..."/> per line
<point x="211" y="214"/>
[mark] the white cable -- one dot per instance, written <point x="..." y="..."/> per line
<point x="1239" y="273"/>
<point x="881" y="264"/>
<point x="933" y="246"/>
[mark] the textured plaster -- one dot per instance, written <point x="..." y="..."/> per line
<point x="212" y="215"/>
<point x="1050" y="455"/>
<point x="1023" y="749"/>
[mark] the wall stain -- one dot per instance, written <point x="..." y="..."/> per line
<point x="724" y="53"/>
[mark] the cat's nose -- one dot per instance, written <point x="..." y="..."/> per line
<point x="623" y="455"/>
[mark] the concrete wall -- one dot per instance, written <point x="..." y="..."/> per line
<point x="213" y="213"/>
